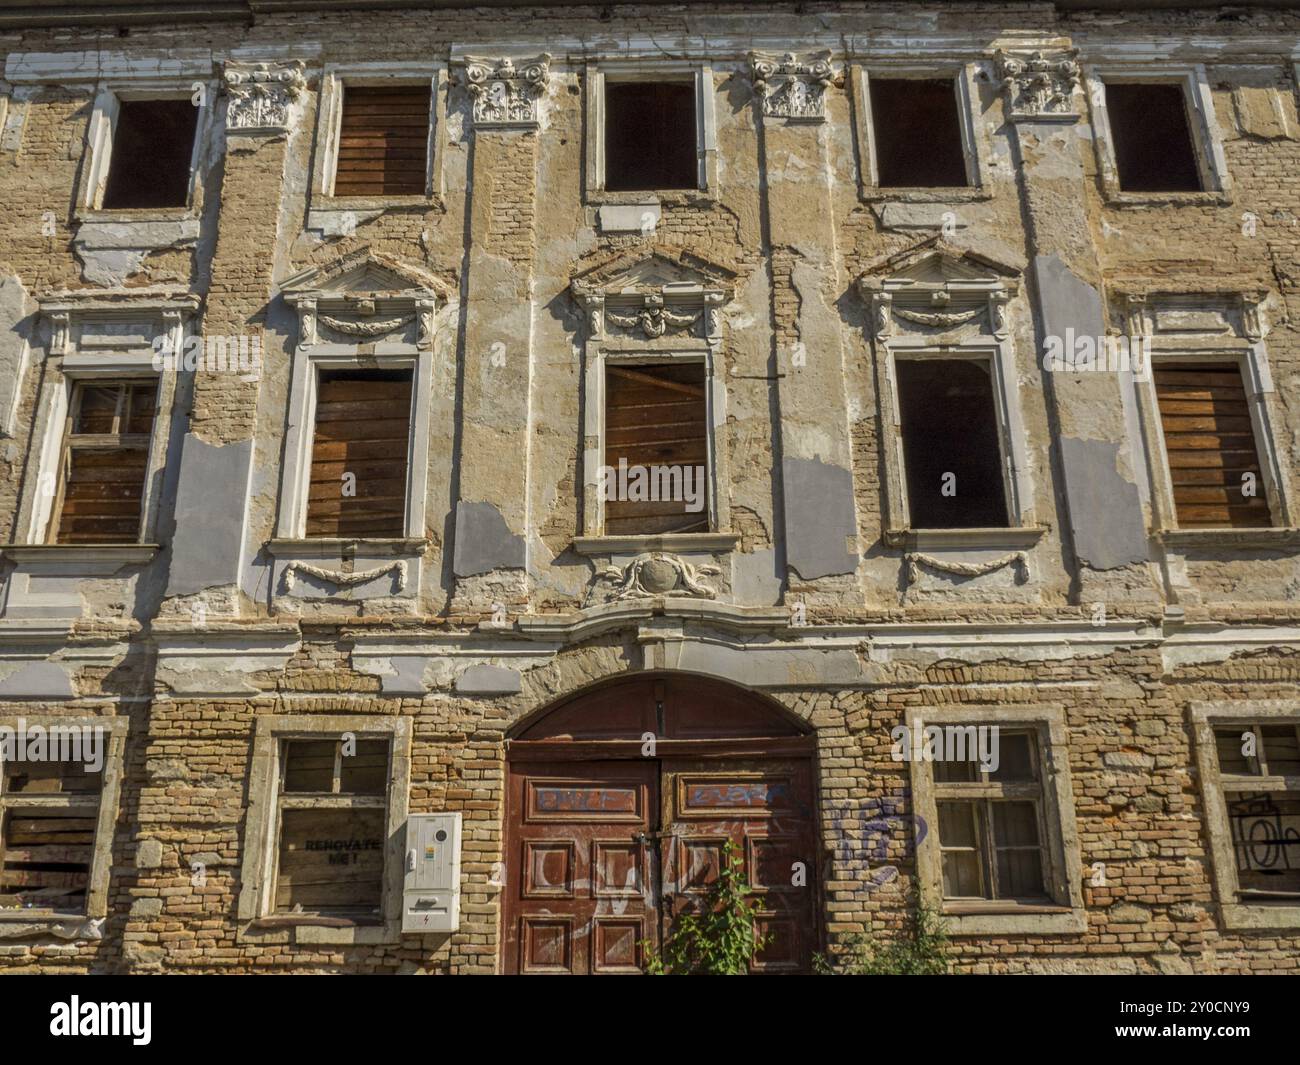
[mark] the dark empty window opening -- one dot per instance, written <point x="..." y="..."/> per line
<point x="917" y="134"/>
<point x="383" y="141"/>
<point x="656" y="450"/>
<point x="358" y="468"/>
<point x="951" y="450"/>
<point x="153" y="144"/>
<point x="1154" y="151"/>
<point x="650" y="136"/>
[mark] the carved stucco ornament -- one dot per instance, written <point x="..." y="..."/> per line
<point x="506" y="94"/>
<point x="260" y="94"/>
<point x="340" y="579"/>
<point x="654" y="319"/>
<point x="1039" y="86"/>
<point x="791" y="86"/>
<point x="658" y="574"/>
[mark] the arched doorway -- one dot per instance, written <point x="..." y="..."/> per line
<point x="619" y="802"/>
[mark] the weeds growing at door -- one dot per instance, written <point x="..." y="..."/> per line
<point x="718" y="937"/>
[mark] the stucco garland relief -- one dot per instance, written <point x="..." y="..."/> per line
<point x="915" y="559"/>
<point x="1039" y="86"/>
<point x="261" y="94"/>
<point x="504" y="94"/>
<point x="657" y="573"/>
<point x="653" y="319"/>
<point x="340" y="579"/>
<point x="792" y="87"/>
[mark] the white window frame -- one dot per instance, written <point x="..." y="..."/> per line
<point x="334" y="80"/>
<point x="256" y="906"/>
<point x="101" y="866"/>
<point x="1248" y="351"/>
<point x="99" y="140"/>
<point x="978" y="179"/>
<point x="295" y="473"/>
<point x="619" y="70"/>
<point x="1206" y="716"/>
<point x="1202" y="123"/>
<point x="1063" y="872"/>
<point x="74" y="358"/>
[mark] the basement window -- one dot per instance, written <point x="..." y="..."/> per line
<point x="655" y="476"/>
<point x="952" y="451"/>
<point x="102" y="475"/>
<point x="917" y="134"/>
<point x="650" y="137"/>
<point x="1259" y="773"/>
<point x="359" y="454"/>
<point x="332" y="814"/>
<point x="50" y="814"/>
<point x="1214" y="465"/>
<point x="152" y="154"/>
<point x="1154" y="150"/>
<point x="383" y="142"/>
<point x="990" y="825"/>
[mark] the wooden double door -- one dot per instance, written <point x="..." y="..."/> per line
<point x="602" y="856"/>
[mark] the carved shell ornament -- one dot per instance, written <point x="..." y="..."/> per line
<point x="658" y="574"/>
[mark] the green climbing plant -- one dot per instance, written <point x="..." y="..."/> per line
<point x="718" y="937"/>
<point x="922" y="950"/>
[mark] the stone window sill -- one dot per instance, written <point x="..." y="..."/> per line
<point x="137" y="215"/>
<point x="377" y="203"/>
<point x="334" y="547"/>
<point x="1262" y="915"/>
<point x="650" y="197"/>
<point x="19" y="924"/>
<point x="118" y="554"/>
<point x="1279" y="537"/>
<point x="1002" y="918"/>
<point x="308" y="929"/>
<point x="631" y="545"/>
<point x="1011" y="538"/>
<point x="1212" y="198"/>
<point x="969" y="194"/>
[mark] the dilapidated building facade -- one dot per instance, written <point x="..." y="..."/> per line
<point x="635" y="428"/>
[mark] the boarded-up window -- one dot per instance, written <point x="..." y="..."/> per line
<point x="917" y="134"/>
<point x="656" y="450"/>
<point x="650" y="136"/>
<point x="105" y="460"/>
<point x="1154" y="151"/>
<point x="1213" y="462"/>
<point x="358" y="469"/>
<point x="383" y="141"/>
<point x="952" y="452"/>
<point x="49" y="812"/>
<point x="1259" y="769"/>
<point x="333" y="818"/>
<point x="990" y="834"/>
<point x="153" y="143"/>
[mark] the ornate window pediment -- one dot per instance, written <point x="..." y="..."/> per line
<point x="648" y="295"/>
<point x="364" y="297"/>
<point x="938" y="286"/>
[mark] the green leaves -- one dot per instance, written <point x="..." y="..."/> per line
<point x="921" y="951"/>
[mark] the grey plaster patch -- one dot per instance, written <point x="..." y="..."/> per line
<point x="489" y="680"/>
<point x="111" y="252"/>
<point x="339" y="223"/>
<point x="210" y="506"/>
<point x="406" y="678"/>
<point x="755" y="578"/>
<point x="920" y="216"/>
<point x="15" y="306"/>
<point x="484" y="541"/>
<point x="1105" y="510"/>
<point x="819" y="518"/>
<point x="771" y="667"/>
<point x="38" y="680"/>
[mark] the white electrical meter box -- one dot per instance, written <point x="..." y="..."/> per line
<point x="431" y="888"/>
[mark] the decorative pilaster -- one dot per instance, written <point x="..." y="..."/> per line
<point x="792" y="87"/>
<point x="260" y="96"/>
<point x="1039" y="87"/>
<point x="506" y="95"/>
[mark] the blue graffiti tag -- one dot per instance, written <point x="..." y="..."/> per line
<point x="859" y="835"/>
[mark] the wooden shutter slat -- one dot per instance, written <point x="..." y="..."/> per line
<point x="1210" y="441"/>
<point x="383" y="142"/>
